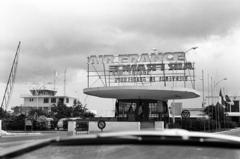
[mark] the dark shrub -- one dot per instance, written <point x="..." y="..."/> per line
<point x="14" y="123"/>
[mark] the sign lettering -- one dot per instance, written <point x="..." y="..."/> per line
<point x="135" y="58"/>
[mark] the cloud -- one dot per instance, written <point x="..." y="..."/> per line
<point x="182" y="19"/>
<point x="58" y="36"/>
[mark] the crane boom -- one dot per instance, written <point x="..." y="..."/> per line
<point x="11" y="80"/>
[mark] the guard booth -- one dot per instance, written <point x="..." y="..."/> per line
<point x="141" y="110"/>
<point x="144" y="104"/>
<point x="142" y="84"/>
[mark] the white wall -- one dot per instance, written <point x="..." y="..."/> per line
<point x="70" y="103"/>
<point x="40" y="100"/>
<point x="72" y="126"/>
<point x="159" y="125"/>
<point x="36" y="102"/>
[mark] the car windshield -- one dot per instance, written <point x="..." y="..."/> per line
<point x="161" y="74"/>
<point x="133" y="152"/>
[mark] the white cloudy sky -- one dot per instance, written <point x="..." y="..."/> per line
<point x="59" y="34"/>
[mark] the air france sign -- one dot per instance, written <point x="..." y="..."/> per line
<point x="153" y="67"/>
<point x="137" y="58"/>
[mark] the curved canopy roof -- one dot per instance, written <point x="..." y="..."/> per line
<point x="142" y="92"/>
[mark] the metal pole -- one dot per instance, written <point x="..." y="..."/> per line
<point x="37" y="96"/>
<point x="163" y="67"/>
<point x="212" y="89"/>
<point x="104" y="72"/>
<point x="194" y="86"/>
<point x="88" y="72"/>
<point x="216" y="107"/>
<point x="203" y="88"/>
<point x="109" y="78"/>
<point x="185" y="60"/>
<point x="64" y="89"/>
<point x="11" y="80"/>
<point x="54" y="81"/>
<point x="208" y="89"/>
<point x="173" y="111"/>
<point x="184" y="69"/>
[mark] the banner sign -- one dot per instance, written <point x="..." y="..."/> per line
<point x="142" y="70"/>
<point x="133" y="69"/>
<point x="149" y="79"/>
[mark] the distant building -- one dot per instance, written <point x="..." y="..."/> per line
<point x="232" y="108"/>
<point x="233" y="111"/>
<point x="42" y="99"/>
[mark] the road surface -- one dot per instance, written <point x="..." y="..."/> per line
<point x="15" y="140"/>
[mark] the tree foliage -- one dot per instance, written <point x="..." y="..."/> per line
<point x="215" y="112"/>
<point x="4" y="114"/>
<point x="39" y="112"/>
<point x="77" y="110"/>
<point x="16" y="122"/>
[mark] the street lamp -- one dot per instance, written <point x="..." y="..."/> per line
<point x="192" y="48"/>
<point x="216" y="83"/>
<point x="224" y="79"/>
<point x="185" y="59"/>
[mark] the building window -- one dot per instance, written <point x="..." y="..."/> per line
<point x="67" y="100"/>
<point x="60" y="100"/>
<point x="124" y="108"/>
<point x="153" y="112"/>
<point x="53" y="100"/>
<point x="31" y="99"/>
<point x="45" y="100"/>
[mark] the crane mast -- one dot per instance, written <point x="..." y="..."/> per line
<point x="11" y="80"/>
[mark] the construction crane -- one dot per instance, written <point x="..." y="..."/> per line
<point x="11" y="80"/>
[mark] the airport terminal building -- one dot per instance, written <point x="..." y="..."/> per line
<point x="142" y="84"/>
<point x="43" y="99"/>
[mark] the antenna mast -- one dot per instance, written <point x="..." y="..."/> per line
<point x="11" y="80"/>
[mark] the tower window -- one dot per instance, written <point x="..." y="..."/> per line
<point x="45" y="100"/>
